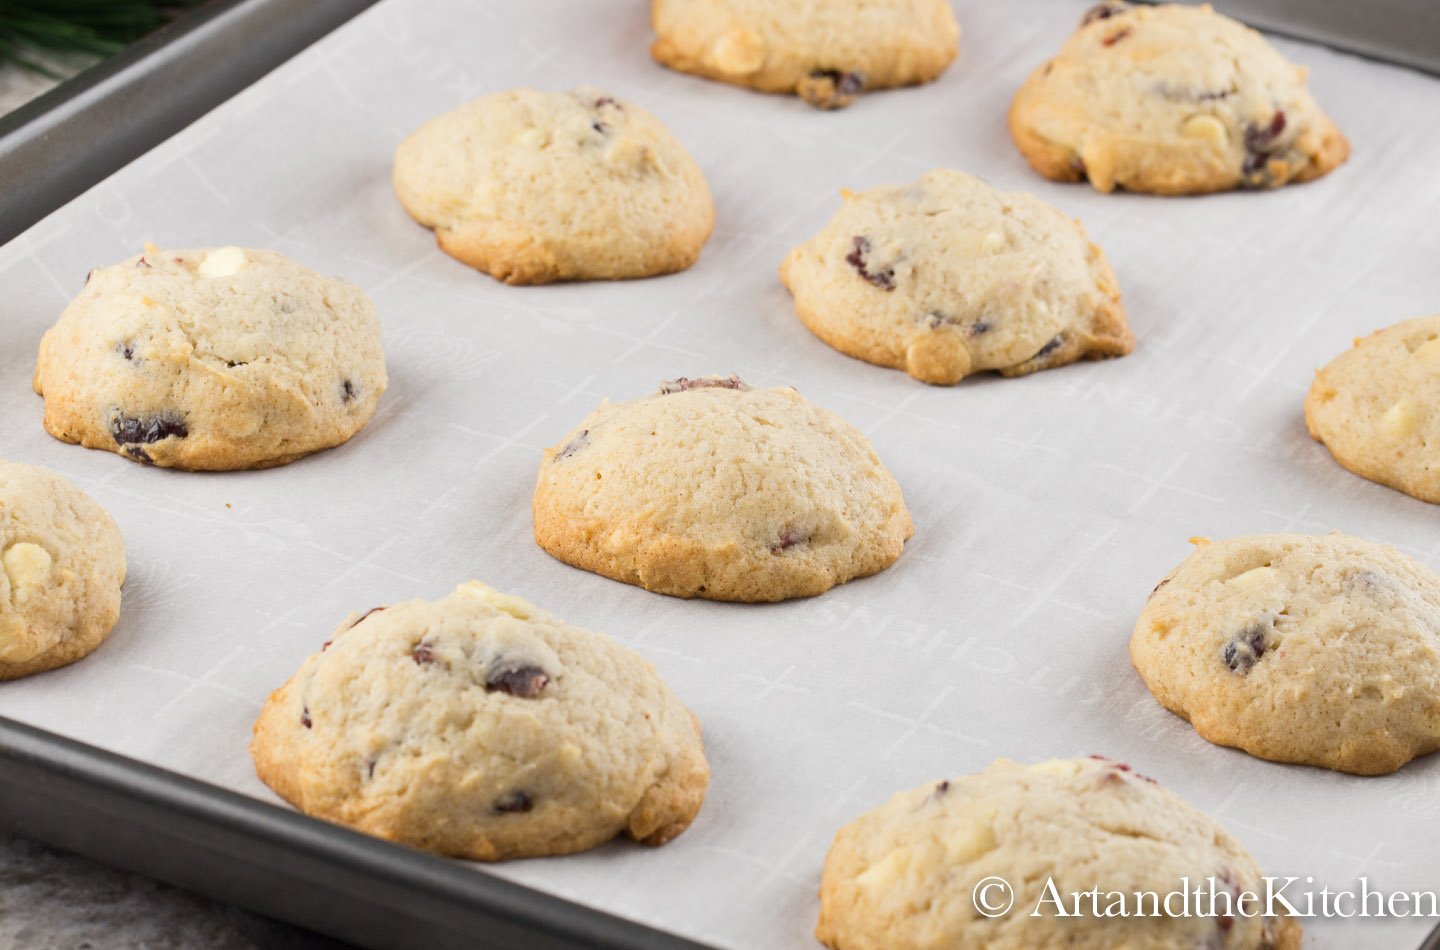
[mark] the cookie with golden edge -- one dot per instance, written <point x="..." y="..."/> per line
<point x="62" y="564"/>
<point x="1376" y="407"/>
<point x="913" y="873"/>
<point x="946" y="276"/>
<point x="709" y="488"/>
<point x="827" y="52"/>
<point x="1172" y="99"/>
<point x="533" y="187"/>
<point x="212" y="359"/>
<point x="482" y="727"/>
<point x="1316" y="649"/>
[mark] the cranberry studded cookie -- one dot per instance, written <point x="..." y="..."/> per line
<point x="1018" y="840"/>
<point x="947" y="276"/>
<point x="709" y="488"/>
<point x="479" y="726"/>
<point x="62" y="564"/>
<point x="1322" y="650"/>
<point x="534" y="187"/>
<point x="211" y="360"/>
<point x="826" y="52"/>
<point x="1173" y="100"/>
<point x="1377" y="407"/>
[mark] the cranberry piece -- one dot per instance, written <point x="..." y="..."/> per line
<point x="363" y="617"/>
<point x="1103" y="11"/>
<point x="682" y="384"/>
<point x="831" y="88"/>
<point x="514" y="802"/>
<point x="305" y="717"/>
<point x="574" y="445"/>
<point x="126" y="348"/>
<point x="788" y="539"/>
<point x="941" y="788"/>
<point x="142" y="262"/>
<point x="139" y="454"/>
<point x="526" y="682"/>
<point x="1244" y="649"/>
<point x="1050" y="347"/>
<point x="128" y="430"/>
<point x="348" y="391"/>
<point x="423" y="654"/>
<point x="858" y="258"/>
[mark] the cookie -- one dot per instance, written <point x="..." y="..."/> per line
<point x="1173" y="100"/>
<point x="479" y="726"/>
<point x="62" y="564"/>
<point x="1372" y="407"/>
<point x="533" y="187"/>
<point x="947" y="276"/>
<point x="914" y="872"/>
<point x="709" y="488"/>
<point x="212" y="360"/>
<point x="1317" y="649"/>
<point x="826" y="52"/>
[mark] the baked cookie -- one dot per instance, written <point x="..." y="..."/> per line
<point x="480" y="726"/>
<point x="62" y="564"/>
<point x="826" y="52"/>
<point x="1373" y="407"/>
<point x="947" y="277"/>
<point x="910" y="874"/>
<point x="1173" y="100"/>
<point x="709" y="488"/>
<point x="1322" y="650"/>
<point x="534" y="187"/>
<point x="212" y="360"/>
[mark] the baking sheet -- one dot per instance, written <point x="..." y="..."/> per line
<point x="1046" y="508"/>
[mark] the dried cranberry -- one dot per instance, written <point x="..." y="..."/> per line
<point x="423" y="654"/>
<point x="831" y="88"/>
<point x="788" y="539"/>
<point x="1103" y="12"/>
<point x="365" y="616"/>
<point x="1050" y="347"/>
<point x="128" y="430"/>
<point x="305" y="717"/>
<point x="1244" y="649"/>
<point x="574" y="445"/>
<point x="858" y="258"/>
<point x="126" y="349"/>
<point x="526" y="682"/>
<point x="512" y="802"/>
<point x="682" y="384"/>
<point x="941" y="788"/>
<point x="347" y="391"/>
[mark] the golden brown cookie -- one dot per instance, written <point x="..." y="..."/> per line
<point x="1172" y="99"/>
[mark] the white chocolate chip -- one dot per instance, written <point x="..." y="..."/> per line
<point x="992" y="241"/>
<point x="1430" y="350"/>
<point x="885" y="873"/>
<point x="738" y="52"/>
<point x="532" y="137"/>
<point x="971" y="840"/>
<point x="1253" y="578"/>
<point x="27" y="566"/>
<point x="1400" y="419"/>
<point x="514" y="606"/>
<point x="1207" y="128"/>
<point x="223" y="262"/>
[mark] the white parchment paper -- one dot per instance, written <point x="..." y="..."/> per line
<point x="1046" y="508"/>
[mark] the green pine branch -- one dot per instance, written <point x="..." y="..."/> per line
<point x="70" y="27"/>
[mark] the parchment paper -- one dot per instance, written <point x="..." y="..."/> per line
<point x="1046" y="507"/>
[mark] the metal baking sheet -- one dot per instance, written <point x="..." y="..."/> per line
<point x="1046" y="507"/>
